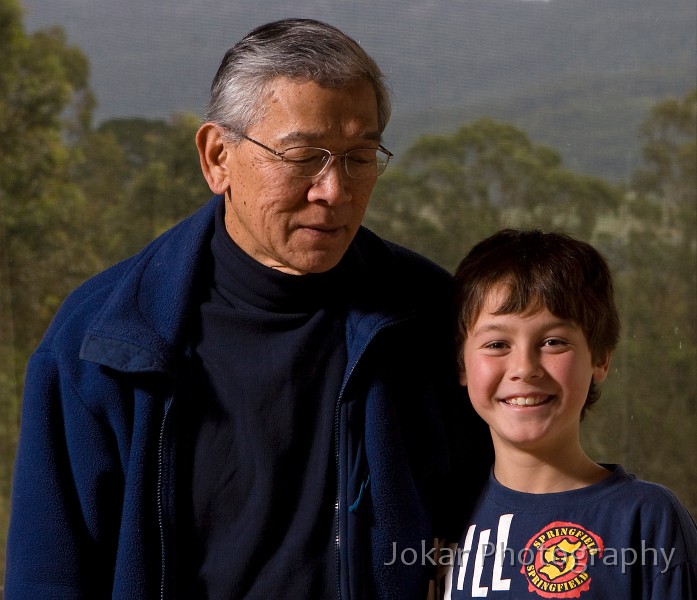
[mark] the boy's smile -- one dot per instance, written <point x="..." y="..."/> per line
<point x="528" y="376"/>
<point x="526" y="400"/>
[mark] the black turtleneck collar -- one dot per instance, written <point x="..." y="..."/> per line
<point x="244" y="283"/>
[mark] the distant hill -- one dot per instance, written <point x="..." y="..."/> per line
<point x="592" y="121"/>
<point x="578" y="75"/>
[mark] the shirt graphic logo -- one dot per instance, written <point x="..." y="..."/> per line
<point x="559" y="556"/>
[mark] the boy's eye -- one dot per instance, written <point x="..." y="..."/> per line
<point x="552" y="342"/>
<point x="495" y="345"/>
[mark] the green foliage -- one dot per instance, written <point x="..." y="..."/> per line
<point x="450" y="191"/>
<point x="44" y="96"/>
<point x="649" y="416"/>
<point x="141" y="177"/>
<point x="41" y="81"/>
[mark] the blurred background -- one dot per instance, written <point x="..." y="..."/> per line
<point x="573" y="115"/>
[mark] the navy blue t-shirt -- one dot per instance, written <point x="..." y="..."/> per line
<point x="271" y="359"/>
<point x="621" y="538"/>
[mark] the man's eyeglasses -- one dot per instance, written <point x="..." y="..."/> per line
<point x="307" y="161"/>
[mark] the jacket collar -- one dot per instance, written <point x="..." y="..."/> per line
<point x="143" y="321"/>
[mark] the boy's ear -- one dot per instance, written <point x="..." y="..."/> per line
<point x="461" y="367"/>
<point x="601" y="368"/>
<point x="463" y="376"/>
<point x="213" y="153"/>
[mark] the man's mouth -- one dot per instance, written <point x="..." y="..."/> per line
<point x="323" y="229"/>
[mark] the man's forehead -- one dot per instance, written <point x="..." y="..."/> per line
<point x="301" y="112"/>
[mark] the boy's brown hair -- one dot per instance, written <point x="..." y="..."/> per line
<point x="553" y="270"/>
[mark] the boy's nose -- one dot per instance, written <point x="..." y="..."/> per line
<point x="526" y="365"/>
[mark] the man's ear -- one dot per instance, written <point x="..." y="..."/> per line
<point x="601" y="368"/>
<point x="213" y="153"/>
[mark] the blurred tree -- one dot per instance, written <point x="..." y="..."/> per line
<point x="450" y="191"/>
<point x="44" y="105"/>
<point x="650" y="419"/>
<point x="170" y="183"/>
<point x="44" y="99"/>
<point x="142" y="176"/>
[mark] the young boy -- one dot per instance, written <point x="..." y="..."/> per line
<point x="537" y="326"/>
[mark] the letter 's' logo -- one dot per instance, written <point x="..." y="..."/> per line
<point x="561" y="554"/>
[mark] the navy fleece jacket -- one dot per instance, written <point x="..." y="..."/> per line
<point x="96" y="489"/>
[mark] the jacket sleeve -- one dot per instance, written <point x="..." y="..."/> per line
<point x="66" y="493"/>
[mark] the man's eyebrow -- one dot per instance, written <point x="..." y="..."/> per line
<point x="309" y="137"/>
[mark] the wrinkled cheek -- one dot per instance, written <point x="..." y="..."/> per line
<point x="275" y="228"/>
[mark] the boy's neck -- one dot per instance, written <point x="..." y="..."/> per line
<point x="560" y="471"/>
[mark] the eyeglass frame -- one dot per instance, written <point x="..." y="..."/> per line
<point x="331" y="155"/>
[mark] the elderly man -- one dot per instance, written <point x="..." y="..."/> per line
<point x="261" y="403"/>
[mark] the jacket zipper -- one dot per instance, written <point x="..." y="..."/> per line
<point x="337" y="502"/>
<point x="160" y="508"/>
<point x="337" y="422"/>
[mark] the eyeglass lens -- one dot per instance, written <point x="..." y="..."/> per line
<point x="361" y="163"/>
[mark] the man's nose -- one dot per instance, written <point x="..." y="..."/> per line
<point x="332" y="185"/>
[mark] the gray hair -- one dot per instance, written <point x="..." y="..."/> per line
<point x="302" y="49"/>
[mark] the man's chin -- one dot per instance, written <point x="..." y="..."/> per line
<point x="315" y="261"/>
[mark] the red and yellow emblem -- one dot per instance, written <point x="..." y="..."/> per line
<point x="558" y="560"/>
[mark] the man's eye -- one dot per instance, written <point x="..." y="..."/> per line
<point x="362" y="156"/>
<point x="305" y="157"/>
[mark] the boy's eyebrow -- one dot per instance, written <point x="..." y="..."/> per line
<point x="487" y="328"/>
<point x="497" y="327"/>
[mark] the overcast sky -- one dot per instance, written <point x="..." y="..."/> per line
<point x="156" y="57"/>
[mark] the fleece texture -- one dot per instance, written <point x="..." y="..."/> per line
<point x="98" y="495"/>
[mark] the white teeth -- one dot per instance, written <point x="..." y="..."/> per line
<point x="526" y="400"/>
